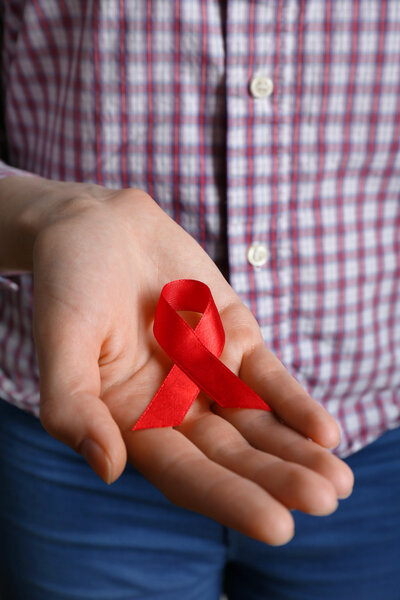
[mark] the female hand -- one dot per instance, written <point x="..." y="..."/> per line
<point x="100" y="260"/>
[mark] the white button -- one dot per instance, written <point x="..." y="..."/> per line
<point x="261" y="86"/>
<point x="257" y="254"/>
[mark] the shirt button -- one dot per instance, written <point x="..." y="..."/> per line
<point x="261" y="86"/>
<point x="257" y="254"/>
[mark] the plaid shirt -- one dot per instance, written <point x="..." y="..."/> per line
<point x="248" y="121"/>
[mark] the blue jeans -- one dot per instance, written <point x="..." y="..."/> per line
<point x="66" y="535"/>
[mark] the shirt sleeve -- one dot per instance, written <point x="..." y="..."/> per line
<point x="7" y="171"/>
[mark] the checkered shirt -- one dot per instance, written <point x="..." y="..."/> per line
<point x="175" y="97"/>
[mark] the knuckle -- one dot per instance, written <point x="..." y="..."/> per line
<point x="295" y="476"/>
<point x="134" y="194"/>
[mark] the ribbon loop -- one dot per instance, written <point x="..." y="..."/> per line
<point x="195" y="353"/>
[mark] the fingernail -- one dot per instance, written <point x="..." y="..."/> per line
<point x="345" y="495"/>
<point x="97" y="459"/>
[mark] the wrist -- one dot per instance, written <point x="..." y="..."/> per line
<point x="28" y="206"/>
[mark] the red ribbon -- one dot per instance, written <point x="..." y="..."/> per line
<point x="195" y="353"/>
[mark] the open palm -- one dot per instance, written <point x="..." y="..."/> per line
<point x="99" y="268"/>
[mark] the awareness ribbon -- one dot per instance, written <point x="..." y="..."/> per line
<point x="195" y="353"/>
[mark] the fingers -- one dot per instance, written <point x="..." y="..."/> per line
<point x="189" y="479"/>
<point x="265" y="374"/>
<point x="264" y="432"/>
<point x="293" y="485"/>
<point x="71" y="410"/>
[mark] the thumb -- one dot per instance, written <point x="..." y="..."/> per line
<point x="70" y="407"/>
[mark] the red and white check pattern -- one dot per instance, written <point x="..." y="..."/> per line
<point x="155" y="94"/>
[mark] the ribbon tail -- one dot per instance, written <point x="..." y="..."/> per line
<point x="171" y="403"/>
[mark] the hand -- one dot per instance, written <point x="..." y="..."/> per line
<point x="100" y="261"/>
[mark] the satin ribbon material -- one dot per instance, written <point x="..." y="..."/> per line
<point x="195" y="353"/>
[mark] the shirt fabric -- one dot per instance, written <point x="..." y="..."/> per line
<point x="157" y="95"/>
